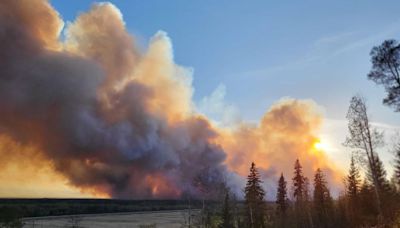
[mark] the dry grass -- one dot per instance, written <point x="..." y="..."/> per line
<point x="167" y="219"/>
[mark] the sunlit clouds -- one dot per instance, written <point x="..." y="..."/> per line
<point x="92" y="115"/>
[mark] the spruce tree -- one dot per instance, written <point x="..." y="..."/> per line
<point x="226" y="213"/>
<point x="397" y="165"/>
<point x="382" y="183"/>
<point x="386" y="191"/>
<point x="299" y="195"/>
<point x="298" y="183"/>
<point x="368" y="208"/>
<point x="322" y="201"/>
<point x="281" y="201"/>
<point x="281" y="196"/>
<point x="352" y="193"/>
<point x="254" y="199"/>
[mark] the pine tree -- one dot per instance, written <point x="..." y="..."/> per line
<point x="298" y="183"/>
<point x="387" y="193"/>
<point x="281" y="201"/>
<point x="397" y="165"/>
<point x="382" y="183"/>
<point x="322" y="201"/>
<point x="352" y="194"/>
<point x="281" y="196"/>
<point x="254" y="199"/>
<point x="368" y="208"/>
<point x="300" y="196"/>
<point x="226" y="213"/>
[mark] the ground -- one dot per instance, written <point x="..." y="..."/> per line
<point x="167" y="219"/>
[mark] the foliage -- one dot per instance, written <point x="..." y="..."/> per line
<point x="397" y="164"/>
<point x="10" y="218"/>
<point x="353" y="194"/>
<point x="322" y="204"/>
<point x="365" y="140"/>
<point x="385" y="71"/>
<point x="254" y="199"/>
<point x="227" y="218"/>
<point x="281" y="197"/>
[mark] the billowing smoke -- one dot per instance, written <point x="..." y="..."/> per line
<point x="288" y="131"/>
<point x="108" y="117"/>
<point x="116" y="121"/>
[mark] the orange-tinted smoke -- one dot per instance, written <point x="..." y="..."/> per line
<point x="108" y="119"/>
<point x="288" y="130"/>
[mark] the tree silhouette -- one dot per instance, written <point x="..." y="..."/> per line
<point x="365" y="139"/>
<point x="386" y="71"/>
<point x="281" y="201"/>
<point x="397" y="165"/>
<point x="322" y="201"/>
<point x="298" y="182"/>
<point x="300" y="195"/>
<point x="382" y="182"/>
<point x="254" y="199"/>
<point x="281" y="196"/>
<point x="352" y="193"/>
<point x="386" y="191"/>
<point x="227" y="213"/>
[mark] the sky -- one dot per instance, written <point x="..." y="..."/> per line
<point x="251" y="55"/>
<point x="241" y="83"/>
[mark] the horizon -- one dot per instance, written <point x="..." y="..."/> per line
<point x="191" y="85"/>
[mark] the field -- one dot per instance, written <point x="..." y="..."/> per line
<point x="166" y="219"/>
<point x="53" y="207"/>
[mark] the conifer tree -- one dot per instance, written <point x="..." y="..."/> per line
<point x="298" y="183"/>
<point x="226" y="213"/>
<point x="382" y="183"/>
<point x="397" y="165"/>
<point x="281" y="196"/>
<point x="368" y="208"/>
<point x="386" y="191"/>
<point x="365" y="138"/>
<point x="299" y="196"/>
<point x="352" y="193"/>
<point x="281" y="201"/>
<point x="322" y="201"/>
<point x="254" y="199"/>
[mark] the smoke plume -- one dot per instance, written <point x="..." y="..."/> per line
<point x="114" y="121"/>
<point x="288" y="131"/>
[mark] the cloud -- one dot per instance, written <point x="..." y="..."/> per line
<point x="115" y="121"/>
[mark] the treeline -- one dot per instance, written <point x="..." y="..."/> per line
<point x="54" y="207"/>
<point x="310" y="204"/>
<point x="373" y="201"/>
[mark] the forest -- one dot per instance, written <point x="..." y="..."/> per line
<point x="129" y="133"/>
<point x="369" y="198"/>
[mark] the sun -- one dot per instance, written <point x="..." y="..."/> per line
<point x="320" y="145"/>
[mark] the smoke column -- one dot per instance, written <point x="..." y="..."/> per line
<point x="114" y="121"/>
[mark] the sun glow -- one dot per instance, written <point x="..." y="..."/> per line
<point x="321" y="146"/>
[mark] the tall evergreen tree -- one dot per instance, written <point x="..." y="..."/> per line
<point x="299" y="195"/>
<point x="397" y="165"/>
<point x="298" y="183"/>
<point x="386" y="191"/>
<point x="352" y="194"/>
<point x="368" y="208"/>
<point x="281" y="201"/>
<point x="382" y="182"/>
<point x="254" y="199"/>
<point x="322" y="201"/>
<point x="227" y="221"/>
<point x="281" y="196"/>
